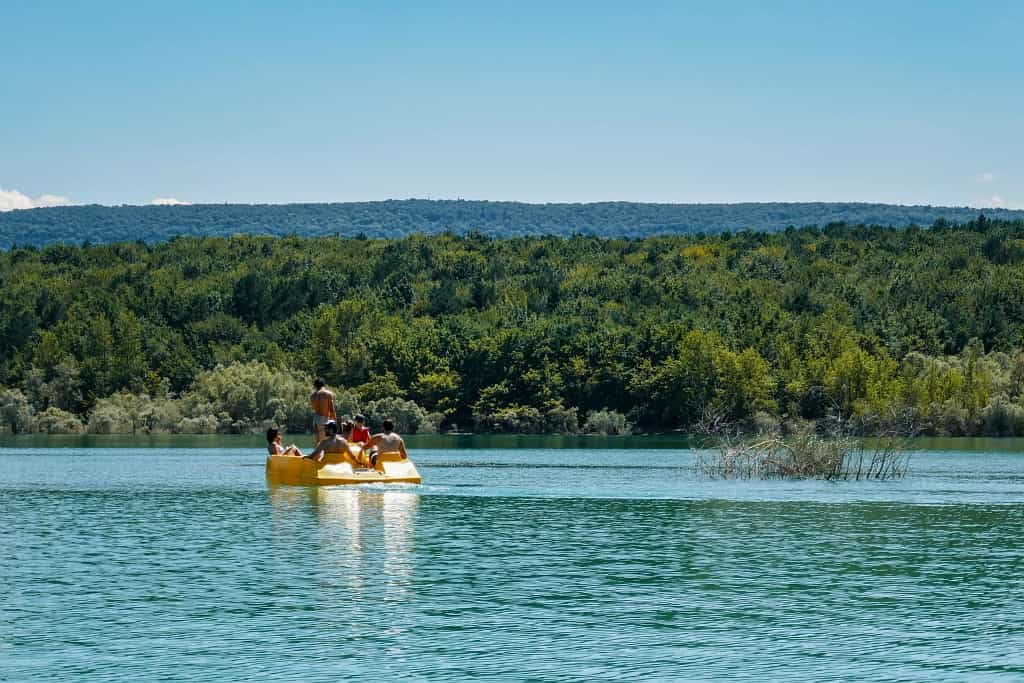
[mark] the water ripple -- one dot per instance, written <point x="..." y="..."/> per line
<point x="180" y="568"/>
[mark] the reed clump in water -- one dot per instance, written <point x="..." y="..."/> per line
<point x="803" y="452"/>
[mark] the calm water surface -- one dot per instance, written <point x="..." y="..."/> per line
<point x="162" y="563"/>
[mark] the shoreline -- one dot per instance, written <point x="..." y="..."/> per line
<point x="256" y="443"/>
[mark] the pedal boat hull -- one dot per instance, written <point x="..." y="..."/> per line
<point x="340" y="468"/>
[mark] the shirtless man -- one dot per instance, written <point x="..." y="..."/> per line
<point x="388" y="442"/>
<point x="331" y="443"/>
<point x="322" y="401"/>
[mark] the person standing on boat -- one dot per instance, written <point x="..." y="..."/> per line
<point x="388" y="442"/>
<point x="322" y="401"/>
<point x="333" y="442"/>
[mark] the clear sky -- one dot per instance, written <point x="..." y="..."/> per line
<point x="126" y="102"/>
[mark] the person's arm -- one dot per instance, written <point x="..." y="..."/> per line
<point x="401" y="447"/>
<point x="334" y="415"/>
<point x="317" y="452"/>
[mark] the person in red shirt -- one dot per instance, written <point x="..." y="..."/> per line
<point x="361" y="436"/>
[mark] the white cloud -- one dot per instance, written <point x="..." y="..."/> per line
<point x="168" y="201"/>
<point x="12" y="199"/>
<point x="986" y="177"/>
<point x="996" y="201"/>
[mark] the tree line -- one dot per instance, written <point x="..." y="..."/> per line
<point x="890" y="328"/>
<point x="396" y="218"/>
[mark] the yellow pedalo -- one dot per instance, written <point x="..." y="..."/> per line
<point x="341" y="468"/>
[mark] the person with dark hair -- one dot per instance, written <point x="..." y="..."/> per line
<point x="333" y="442"/>
<point x="274" y="446"/>
<point x="388" y="442"/>
<point x="360" y="434"/>
<point x="346" y="430"/>
<point x="322" y="402"/>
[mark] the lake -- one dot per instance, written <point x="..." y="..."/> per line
<point x="602" y="559"/>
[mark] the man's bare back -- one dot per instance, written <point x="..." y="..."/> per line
<point x="388" y="441"/>
<point x="322" y="402"/>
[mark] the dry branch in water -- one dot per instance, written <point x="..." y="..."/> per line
<point x="804" y="453"/>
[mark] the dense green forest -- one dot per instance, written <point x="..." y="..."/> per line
<point x="907" y="328"/>
<point x="399" y="218"/>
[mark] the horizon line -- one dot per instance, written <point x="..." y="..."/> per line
<point x="182" y="203"/>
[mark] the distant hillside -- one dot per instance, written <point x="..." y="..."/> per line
<point x="396" y="218"/>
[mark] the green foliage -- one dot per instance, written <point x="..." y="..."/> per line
<point x="16" y="413"/>
<point x="704" y="375"/>
<point x="407" y="416"/>
<point x="246" y="396"/>
<point x="127" y="413"/>
<point x="56" y="421"/>
<point x="480" y="219"/>
<point x="894" y="328"/>
<point x="558" y="419"/>
<point x="606" y="422"/>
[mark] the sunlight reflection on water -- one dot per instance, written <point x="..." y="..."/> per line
<point x="170" y="564"/>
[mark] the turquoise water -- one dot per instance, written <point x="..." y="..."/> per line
<point x="163" y="563"/>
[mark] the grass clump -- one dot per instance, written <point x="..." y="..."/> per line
<point x="804" y="451"/>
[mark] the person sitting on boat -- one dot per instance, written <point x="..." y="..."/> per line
<point x="346" y="430"/>
<point x="274" y="446"/>
<point x="332" y="442"/>
<point x="360" y="433"/>
<point x="322" y="402"/>
<point x="387" y="442"/>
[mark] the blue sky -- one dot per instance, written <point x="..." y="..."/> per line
<point x="127" y="102"/>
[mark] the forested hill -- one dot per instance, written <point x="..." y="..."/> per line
<point x="397" y="218"/>
<point x="912" y="328"/>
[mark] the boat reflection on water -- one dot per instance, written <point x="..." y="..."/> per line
<point x="366" y="535"/>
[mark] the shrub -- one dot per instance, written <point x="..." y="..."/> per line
<point x="432" y="423"/>
<point x="560" y="420"/>
<point x="125" y="413"/>
<point x="164" y="415"/>
<point x="56" y="421"/>
<point x="205" y="424"/>
<point x="249" y="394"/>
<point x="606" y="422"/>
<point x="16" y="412"/>
<point x="514" y="419"/>
<point x="407" y="416"/>
<point x="765" y="423"/>
<point x="1003" y="419"/>
<point x="111" y="416"/>
<point x="953" y="419"/>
